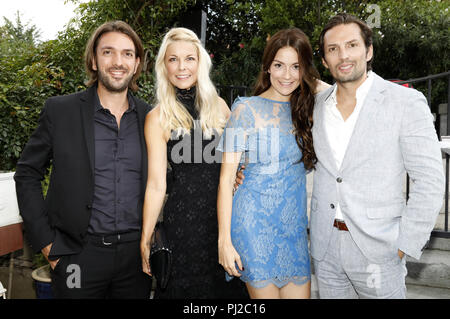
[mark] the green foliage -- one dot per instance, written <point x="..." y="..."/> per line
<point x="147" y="88"/>
<point x="39" y="260"/>
<point x="235" y="42"/>
<point x="28" y="78"/>
<point x="411" y="42"/>
<point x="16" y="36"/>
<point x="414" y="35"/>
<point x="239" y="67"/>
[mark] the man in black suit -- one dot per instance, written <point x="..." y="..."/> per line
<point x="88" y="226"/>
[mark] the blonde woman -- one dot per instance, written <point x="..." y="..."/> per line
<point x="184" y="129"/>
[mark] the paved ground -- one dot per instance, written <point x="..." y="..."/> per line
<point x="23" y="287"/>
<point x="412" y="291"/>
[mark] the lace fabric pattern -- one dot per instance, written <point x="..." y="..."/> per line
<point x="190" y="217"/>
<point x="269" y="221"/>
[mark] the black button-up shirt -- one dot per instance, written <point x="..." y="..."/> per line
<point x="117" y="206"/>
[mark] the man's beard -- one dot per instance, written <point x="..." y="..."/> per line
<point x="117" y="87"/>
<point x="355" y="76"/>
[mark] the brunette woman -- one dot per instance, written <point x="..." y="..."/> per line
<point x="263" y="229"/>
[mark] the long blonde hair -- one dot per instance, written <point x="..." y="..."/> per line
<point x="173" y="115"/>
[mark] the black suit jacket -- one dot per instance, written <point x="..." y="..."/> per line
<point x="65" y="139"/>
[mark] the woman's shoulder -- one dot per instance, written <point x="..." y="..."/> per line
<point x="238" y="104"/>
<point x="153" y="114"/>
<point x="245" y="102"/>
<point x="152" y="119"/>
<point x="153" y="124"/>
<point x="321" y="86"/>
<point x="244" y="107"/>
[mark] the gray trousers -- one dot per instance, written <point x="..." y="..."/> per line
<point x="345" y="273"/>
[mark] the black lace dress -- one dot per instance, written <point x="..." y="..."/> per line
<point x="190" y="217"/>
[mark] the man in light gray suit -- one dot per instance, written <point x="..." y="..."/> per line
<point x="367" y="133"/>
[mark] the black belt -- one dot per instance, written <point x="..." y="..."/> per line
<point x="340" y="224"/>
<point x="114" y="239"/>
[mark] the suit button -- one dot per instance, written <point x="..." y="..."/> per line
<point x="88" y="206"/>
<point x="339" y="180"/>
<point x="332" y="206"/>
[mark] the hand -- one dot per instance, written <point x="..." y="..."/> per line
<point x="401" y="254"/>
<point x="46" y="251"/>
<point x="228" y="258"/>
<point x="239" y="178"/>
<point x="321" y="85"/>
<point x="145" y="255"/>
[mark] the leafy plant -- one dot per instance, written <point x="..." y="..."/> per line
<point x="412" y="41"/>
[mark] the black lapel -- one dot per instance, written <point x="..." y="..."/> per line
<point x="142" y="112"/>
<point x="87" y="114"/>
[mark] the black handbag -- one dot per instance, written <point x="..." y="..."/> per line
<point x="160" y="256"/>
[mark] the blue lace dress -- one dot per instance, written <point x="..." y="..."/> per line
<point x="269" y="220"/>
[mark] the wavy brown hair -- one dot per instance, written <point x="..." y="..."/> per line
<point x="302" y="99"/>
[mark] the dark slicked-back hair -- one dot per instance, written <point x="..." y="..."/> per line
<point x="345" y="18"/>
<point x="91" y="47"/>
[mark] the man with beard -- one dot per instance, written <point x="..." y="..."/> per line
<point x="367" y="133"/>
<point x="89" y="224"/>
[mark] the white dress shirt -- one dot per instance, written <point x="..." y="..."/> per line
<point x="339" y="131"/>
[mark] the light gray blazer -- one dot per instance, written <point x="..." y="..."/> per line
<point x="394" y="133"/>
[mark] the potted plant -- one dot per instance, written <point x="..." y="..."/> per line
<point x="42" y="278"/>
<point x="41" y="273"/>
